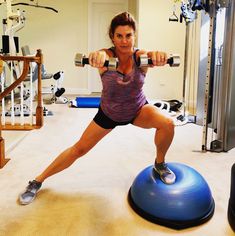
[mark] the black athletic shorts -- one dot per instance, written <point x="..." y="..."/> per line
<point x="105" y="122"/>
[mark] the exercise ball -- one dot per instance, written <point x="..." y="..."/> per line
<point x="186" y="203"/>
<point x="231" y="205"/>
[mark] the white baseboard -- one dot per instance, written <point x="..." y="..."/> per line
<point x="72" y="91"/>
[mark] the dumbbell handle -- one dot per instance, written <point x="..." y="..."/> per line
<point x="173" y="61"/>
<point x="169" y="61"/>
<point x="85" y="61"/>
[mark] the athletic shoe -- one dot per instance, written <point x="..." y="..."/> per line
<point x="166" y="175"/>
<point x="30" y="193"/>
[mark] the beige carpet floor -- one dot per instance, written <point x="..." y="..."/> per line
<point x="90" y="198"/>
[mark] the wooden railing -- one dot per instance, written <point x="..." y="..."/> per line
<point x="26" y="60"/>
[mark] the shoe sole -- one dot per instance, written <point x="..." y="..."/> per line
<point x="26" y="203"/>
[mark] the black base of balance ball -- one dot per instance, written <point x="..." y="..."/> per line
<point x="231" y="205"/>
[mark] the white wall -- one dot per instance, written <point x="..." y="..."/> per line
<point x="62" y="35"/>
<point x="157" y="33"/>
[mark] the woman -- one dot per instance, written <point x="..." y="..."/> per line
<point x="122" y="102"/>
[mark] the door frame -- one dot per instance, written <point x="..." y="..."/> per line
<point x="90" y="2"/>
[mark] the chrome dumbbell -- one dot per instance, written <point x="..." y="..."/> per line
<point x="81" y="60"/>
<point x="144" y="61"/>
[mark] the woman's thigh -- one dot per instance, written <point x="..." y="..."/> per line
<point x="150" y="117"/>
<point x="92" y="135"/>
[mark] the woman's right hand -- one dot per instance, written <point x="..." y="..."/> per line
<point x="98" y="58"/>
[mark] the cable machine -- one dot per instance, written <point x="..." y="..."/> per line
<point x="216" y="80"/>
<point x="225" y="128"/>
<point x="216" y="83"/>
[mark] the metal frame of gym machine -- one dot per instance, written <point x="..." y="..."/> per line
<point x="226" y="128"/>
<point x="218" y="111"/>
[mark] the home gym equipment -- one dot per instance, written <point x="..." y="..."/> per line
<point x="144" y="61"/>
<point x="85" y="102"/>
<point x="219" y="101"/>
<point x="13" y="22"/>
<point x="231" y="205"/>
<point x="57" y="89"/>
<point x="21" y="99"/>
<point x="171" y="106"/>
<point x="214" y="76"/>
<point x="174" y="17"/>
<point x="112" y="63"/>
<point x="35" y="5"/>
<point x="81" y="60"/>
<point x="186" y="203"/>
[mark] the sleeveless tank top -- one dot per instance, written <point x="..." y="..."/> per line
<point x="122" y="94"/>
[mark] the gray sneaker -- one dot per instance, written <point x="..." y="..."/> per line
<point x="30" y="193"/>
<point x="166" y="175"/>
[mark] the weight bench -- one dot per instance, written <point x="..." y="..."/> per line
<point x="26" y="52"/>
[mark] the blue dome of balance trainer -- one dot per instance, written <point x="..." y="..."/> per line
<point x="186" y="203"/>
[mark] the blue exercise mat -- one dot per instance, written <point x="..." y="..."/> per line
<point x="87" y="102"/>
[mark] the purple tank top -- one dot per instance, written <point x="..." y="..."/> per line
<point x="122" y="95"/>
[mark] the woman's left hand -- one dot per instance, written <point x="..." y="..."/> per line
<point x="158" y="58"/>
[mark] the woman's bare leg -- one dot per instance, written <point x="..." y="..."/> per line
<point x="150" y="117"/>
<point x="91" y="136"/>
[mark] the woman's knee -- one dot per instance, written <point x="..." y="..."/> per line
<point x="170" y="125"/>
<point x="167" y="124"/>
<point x="78" y="151"/>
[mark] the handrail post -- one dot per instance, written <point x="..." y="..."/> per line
<point x="3" y="160"/>
<point x="39" y="108"/>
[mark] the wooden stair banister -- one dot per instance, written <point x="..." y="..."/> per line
<point x="3" y="159"/>
<point x="39" y="109"/>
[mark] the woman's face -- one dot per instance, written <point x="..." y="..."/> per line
<point x="124" y="38"/>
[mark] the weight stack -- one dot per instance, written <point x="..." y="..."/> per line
<point x="231" y="205"/>
<point x="5" y="44"/>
